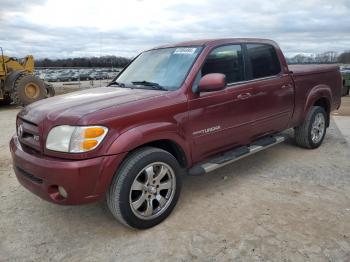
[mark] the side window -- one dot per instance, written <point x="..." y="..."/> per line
<point x="227" y="60"/>
<point x="263" y="59"/>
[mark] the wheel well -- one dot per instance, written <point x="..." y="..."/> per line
<point x="171" y="147"/>
<point x="323" y="102"/>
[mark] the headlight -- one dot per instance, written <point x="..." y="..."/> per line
<point x="75" y="139"/>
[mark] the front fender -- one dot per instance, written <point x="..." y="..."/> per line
<point x="148" y="133"/>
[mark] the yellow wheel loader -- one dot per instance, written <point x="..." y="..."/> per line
<point x="18" y="85"/>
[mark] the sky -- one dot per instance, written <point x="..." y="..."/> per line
<point x="85" y="28"/>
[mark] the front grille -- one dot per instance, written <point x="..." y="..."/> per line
<point x="29" y="176"/>
<point x="28" y="135"/>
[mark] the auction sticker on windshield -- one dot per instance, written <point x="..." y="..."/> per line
<point x="185" y="50"/>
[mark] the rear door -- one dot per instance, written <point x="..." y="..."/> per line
<point x="220" y="120"/>
<point x="273" y="91"/>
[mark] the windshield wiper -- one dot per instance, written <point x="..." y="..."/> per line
<point x="116" y="83"/>
<point x="150" y="84"/>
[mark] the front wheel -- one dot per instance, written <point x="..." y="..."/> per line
<point x="145" y="189"/>
<point x="311" y="132"/>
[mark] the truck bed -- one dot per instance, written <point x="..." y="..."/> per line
<point x="308" y="78"/>
<point x="312" y="69"/>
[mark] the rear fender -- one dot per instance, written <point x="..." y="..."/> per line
<point x="316" y="93"/>
<point x="148" y="133"/>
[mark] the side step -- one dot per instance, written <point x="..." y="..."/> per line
<point x="235" y="154"/>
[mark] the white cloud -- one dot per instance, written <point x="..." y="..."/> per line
<point x="56" y="28"/>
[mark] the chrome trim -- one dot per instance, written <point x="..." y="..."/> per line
<point x="255" y="80"/>
<point x="208" y="167"/>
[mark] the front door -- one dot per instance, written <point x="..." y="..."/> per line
<point x="220" y="120"/>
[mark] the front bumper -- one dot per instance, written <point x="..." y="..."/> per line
<point x="85" y="181"/>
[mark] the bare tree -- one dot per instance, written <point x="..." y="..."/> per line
<point x="344" y="58"/>
<point x="104" y="61"/>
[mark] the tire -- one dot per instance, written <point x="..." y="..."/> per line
<point x="50" y="91"/>
<point x="25" y="82"/>
<point x="129" y="198"/>
<point x="311" y="132"/>
<point x="6" y="100"/>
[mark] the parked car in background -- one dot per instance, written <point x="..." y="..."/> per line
<point x="99" y="75"/>
<point x="73" y="74"/>
<point x="96" y="75"/>
<point x="84" y="76"/>
<point x="64" y="77"/>
<point x="51" y="77"/>
<point x="345" y="72"/>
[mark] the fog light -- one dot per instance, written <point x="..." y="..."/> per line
<point x="62" y="191"/>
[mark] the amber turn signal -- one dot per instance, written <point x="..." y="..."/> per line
<point x="93" y="132"/>
<point x="89" y="144"/>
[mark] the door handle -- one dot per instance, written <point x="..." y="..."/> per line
<point x="286" y="86"/>
<point x="244" y="96"/>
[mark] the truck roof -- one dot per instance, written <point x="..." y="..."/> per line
<point x="219" y="41"/>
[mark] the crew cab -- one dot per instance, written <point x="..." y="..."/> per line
<point x="186" y="108"/>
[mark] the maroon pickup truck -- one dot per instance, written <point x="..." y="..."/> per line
<point x="187" y="108"/>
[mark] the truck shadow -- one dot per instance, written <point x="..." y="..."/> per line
<point x="9" y="107"/>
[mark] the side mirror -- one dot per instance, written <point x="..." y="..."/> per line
<point x="212" y="82"/>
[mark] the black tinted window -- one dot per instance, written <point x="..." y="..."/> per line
<point x="227" y="60"/>
<point x="264" y="60"/>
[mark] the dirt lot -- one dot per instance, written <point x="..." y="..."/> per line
<point x="67" y="87"/>
<point x="283" y="204"/>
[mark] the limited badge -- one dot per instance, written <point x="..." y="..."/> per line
<point x="20" y="131"/>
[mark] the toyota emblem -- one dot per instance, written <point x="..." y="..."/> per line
<point x="20" y="131"/>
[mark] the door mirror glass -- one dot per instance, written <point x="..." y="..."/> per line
<point x="212" y="82"/>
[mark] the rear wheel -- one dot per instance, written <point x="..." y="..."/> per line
<point x="311" y="132"/>
<point x="145" y="189"/>
<point x="28" y="89"/>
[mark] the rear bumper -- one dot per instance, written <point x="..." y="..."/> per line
<point x="85" y="181"/>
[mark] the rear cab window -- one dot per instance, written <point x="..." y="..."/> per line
<point x="263" y="60"/>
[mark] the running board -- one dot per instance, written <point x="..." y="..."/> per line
<point x="235" y="154"/>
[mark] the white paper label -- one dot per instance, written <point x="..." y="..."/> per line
<point x="185" y="50"/>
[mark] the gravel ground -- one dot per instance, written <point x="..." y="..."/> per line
<point x="282" y="204"/>
<point x="342" y="118"/>
<point x="67" y="87"/>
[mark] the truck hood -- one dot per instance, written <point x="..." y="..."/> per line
<point x="71" y="107"/>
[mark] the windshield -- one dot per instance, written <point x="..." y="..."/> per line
<point x="164" y="68"/>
